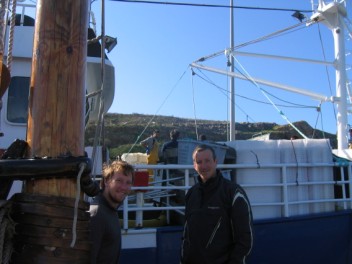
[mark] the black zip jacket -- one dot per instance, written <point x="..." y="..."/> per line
<point x="218" y="227"/>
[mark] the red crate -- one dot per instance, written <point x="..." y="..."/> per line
<point x="141" y="179"/>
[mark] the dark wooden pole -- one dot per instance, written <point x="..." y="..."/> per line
<point x="52" y="227"/>
<point x="57" y="89"/>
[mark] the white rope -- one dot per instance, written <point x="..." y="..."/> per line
<point x="11" y="34"/>
<point x="74" y="225"/>
<point x="3" y="9"/>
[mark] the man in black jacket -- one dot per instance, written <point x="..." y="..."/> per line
<point x="218" y="227"/>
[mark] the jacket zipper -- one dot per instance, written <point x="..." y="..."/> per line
<point x="214" y="233"/>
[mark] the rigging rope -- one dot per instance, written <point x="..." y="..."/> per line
<point x="296" y="159"/>
<point x="100" y="122"/>
<point x="294" y="105"/>
<point x="326" y="68"/>
<point x="222" y="90"/>
<point x="212" y="5"/>
<point x="263" y="38"/>
<point x="272" y="103"/>
<point x="316" y="122"/>
<point x="98" y="131"/>
<point x="82" y="166"/>
<point x="11" y="34"/>
<point x="6" y="224"/>
<point x="256" y="41"/>
<point x="3" y="9"/>
<point x="225" y="93"/>
<point x="157" y="111"/>
<point x="3" y="5"/>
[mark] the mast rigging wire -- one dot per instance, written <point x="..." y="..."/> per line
<point x="212" y="5"/>
<point x="326" y="68"/>
<point x="225" y="92"/>
<point x="294" y="105"/>
<point x="275" y="106"/>
<point x="270" y="36"/>
<point x="101" y="114"/>
<point x="190" y="4"/>
<point x="263" y="38"/>
<point x="157" y="111"/>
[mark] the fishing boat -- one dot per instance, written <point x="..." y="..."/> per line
<point x="299" y="189"/>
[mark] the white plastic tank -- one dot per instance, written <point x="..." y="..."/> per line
<point x="319" y="151"/>
<point x="261" y="152"/>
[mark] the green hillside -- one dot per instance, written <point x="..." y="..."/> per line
<point x="123" y="132"/>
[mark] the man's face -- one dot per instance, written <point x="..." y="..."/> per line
<point x="117" y="188"/>
<point x="205" y="164"/>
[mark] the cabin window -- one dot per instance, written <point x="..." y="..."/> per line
<point x="17" y="103"/>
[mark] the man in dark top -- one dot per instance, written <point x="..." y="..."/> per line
<point x="170" y="149"/>
<point x="105" y="228"/>
<point x="218" y="216"/>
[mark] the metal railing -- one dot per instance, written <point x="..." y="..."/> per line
<point x="292" y="195"/>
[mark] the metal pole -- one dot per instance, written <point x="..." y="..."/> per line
<point x="232" y="80"/>
<point x="341" y="89"/>
<point x="332" y="16"/>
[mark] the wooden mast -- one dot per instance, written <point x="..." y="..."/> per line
<point x="57" y="89"/>
<point x="52" y="223"/>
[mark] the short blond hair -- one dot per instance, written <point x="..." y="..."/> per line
<point x="116" y="166"/>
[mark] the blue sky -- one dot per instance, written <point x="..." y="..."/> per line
<point x="157" y="43"/>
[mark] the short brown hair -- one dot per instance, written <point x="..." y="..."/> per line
<point x="201" y="148"/>
<point x="116" y="166"/>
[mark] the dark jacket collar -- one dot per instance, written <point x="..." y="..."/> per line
<point x="211" y="183"/>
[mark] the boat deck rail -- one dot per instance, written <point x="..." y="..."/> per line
<point x="162" y="188"/>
